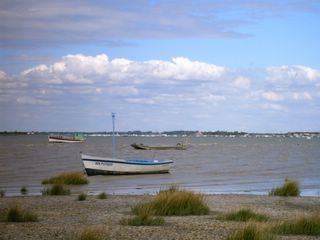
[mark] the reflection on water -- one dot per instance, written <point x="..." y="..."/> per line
<point x="212" y="165"/>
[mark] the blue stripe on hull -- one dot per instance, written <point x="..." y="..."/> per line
<point x="92" y="172"/>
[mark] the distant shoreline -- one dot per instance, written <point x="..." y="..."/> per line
<point x="306" y="134"/>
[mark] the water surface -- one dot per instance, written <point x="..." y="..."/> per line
<point x="245" y="165"/>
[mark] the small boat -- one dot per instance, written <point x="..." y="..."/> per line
<point x="178" y="146"/>
<point x="109" y="166"/>
<point x="66" y="138"/>
<point x="95" y="165"/>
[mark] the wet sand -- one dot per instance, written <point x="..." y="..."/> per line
<point x="62" y="217"/>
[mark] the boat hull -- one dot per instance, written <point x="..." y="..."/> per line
<point x="145" y="147"/>
<point x="56" y="140"/>
<point x="108" y="166"/>
<point x="64" y="139"/>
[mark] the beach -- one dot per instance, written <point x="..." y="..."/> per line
<point x="62" y="217"/>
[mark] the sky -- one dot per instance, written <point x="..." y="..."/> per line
<point x="233" y="65"/>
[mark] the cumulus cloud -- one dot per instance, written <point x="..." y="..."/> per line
<point x="91" y="83"/>
<point x="241" y="82"/>
<point x="272" y="96"/>
<point x="300" y="75"/>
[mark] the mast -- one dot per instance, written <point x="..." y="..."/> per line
<point x="113" y="138"/>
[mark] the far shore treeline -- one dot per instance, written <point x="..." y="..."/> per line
<point x="178" y="133"/>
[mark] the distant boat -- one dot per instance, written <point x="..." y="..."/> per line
<point x="66" y="138"/>
<point x="178" y="146"/>
<point x="94" y="165"/>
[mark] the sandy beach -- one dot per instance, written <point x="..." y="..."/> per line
<point x="61" y="217"/>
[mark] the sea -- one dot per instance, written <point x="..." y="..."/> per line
<point x="212" y="165"/>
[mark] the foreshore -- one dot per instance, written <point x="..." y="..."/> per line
<point x="61" y="217"/>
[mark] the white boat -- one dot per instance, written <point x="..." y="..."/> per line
<point x="95" y="165"/>
<point x="106" y="166"/>
<point x="65" y="138"/>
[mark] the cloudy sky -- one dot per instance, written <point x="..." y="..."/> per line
<point x="203" y="65"/>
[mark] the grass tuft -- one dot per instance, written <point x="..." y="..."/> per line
<point x="251" y="232"/>
<point x="145" y="217"/>
<point x="175" y="202"/>
<point x="305" y="225"/>
<point x="2" y="193"/>
<point x="245" y="215"/>
<point x="102" y="195"/>
<point x="289" y="188"/>
<point x="82" y="197"/>
<point x="56" y="189"/>
<point x="68" y="178"/>
<point x="24" y="190"/>
<point x="91" y="233"/>
<point x="16" y="213"/>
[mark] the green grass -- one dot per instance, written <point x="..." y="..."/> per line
<point x="16" y="213"/>
<point x="24" y="190"/>
<point x="68" y="178"/>
<point x="82" y="197"/>
<point x="245" y="215"/>
<point x="289" y="188"/>
<point x="175" y="202"/>
<point x="251" y="232"/>
<point x="145" y="217"/>
<point x="2" y="193"/>
<point x="305" y="225"/>
<point x="102" y="195"/>
<point x="56" y="189"/>
<point x="91" y="233"/>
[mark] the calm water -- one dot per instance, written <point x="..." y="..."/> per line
<point x="212" y="165"/>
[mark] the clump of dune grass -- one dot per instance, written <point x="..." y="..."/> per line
<point x="56" y="189"/>
<point x="16" y="213"/>
<point x="244" y="215"/>
<point x="102" y="195"/>
<point x="175" y="202"/>
<point x="82" y="197"/>
<point x="145" y="217"/>
<point x="305" y="225"/>
<point x="68" y="178"/>
<point x="91" y="233"/>
<point x="24" y="190"/>
<point x="251" y="232"/>
<point x="2" y="193"/>
<point x="289" y="188"/>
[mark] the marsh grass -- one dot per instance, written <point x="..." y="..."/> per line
<point x="56" y="189"/>
<point x="82" y="197"/>
<point x="102" y="195"/>
<point x="16" y="213"/>
<point x="2" y="193"/>
<point x="304" y="225"/>
<point x="24" y="190"/>
<point x="68" y="178"/>
<point x="245" y="215"/>
<point x="91" y="233"/>
<point x="174" y="202"/>
<point x="289" y="188"/>
<point x="251" y="232"/>
<point x="145" y="217"/>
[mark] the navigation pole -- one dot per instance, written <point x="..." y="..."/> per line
<point x="113" y="137"/>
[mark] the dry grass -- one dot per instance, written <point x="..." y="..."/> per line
<point x="68" y="178"/>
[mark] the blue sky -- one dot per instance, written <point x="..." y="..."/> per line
<point x="160" y="65"/>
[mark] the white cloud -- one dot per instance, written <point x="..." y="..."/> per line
<point x="29" y="100"/>
<point x="273" y="107"/>
<point x="288" y="75"/>
<point x="301" y="96"/>
<point x="272" y="96"/>
<point x="241" y="82"/>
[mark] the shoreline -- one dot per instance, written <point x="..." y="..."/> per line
<point x="60" y="217"/>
